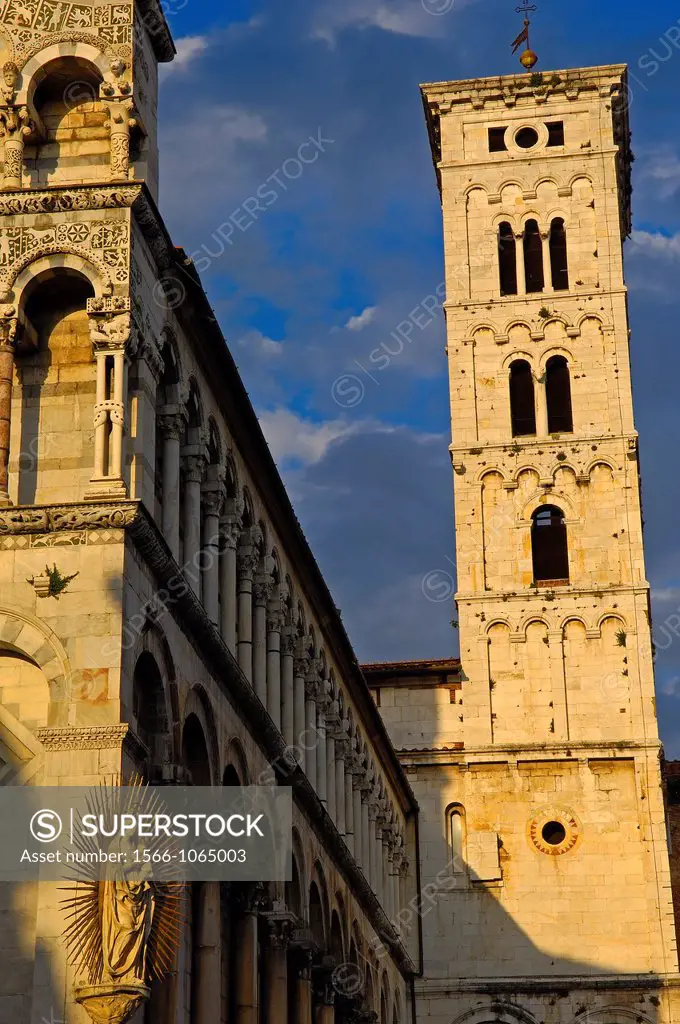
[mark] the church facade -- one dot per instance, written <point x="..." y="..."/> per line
<point x="536" y="759"/>
<point x="160" y="610"/>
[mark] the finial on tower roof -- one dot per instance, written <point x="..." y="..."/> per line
<point x="528" y="58"/>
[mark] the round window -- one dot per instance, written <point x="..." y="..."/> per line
<point x="554" y="833"/>
<point x="526" y="138"/>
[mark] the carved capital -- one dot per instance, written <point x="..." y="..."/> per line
<point x="16" y="123"/>
<point x="8" y="327"/>
<point x="262" y="587"/>
<point x="247" y="559"/>
<point x="110" y="333"/>
<point x="276" y="614"/>
<point x="230" y="530"/>
<point x="172" y="422"/>
<point x="194" y="464"/>
<point x="280" y="926"/>
<point x="288" y="642"/>
<point x="212" y="499"/>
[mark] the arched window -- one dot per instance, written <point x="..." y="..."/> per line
<point x="549" y="546"/>
<point x="558" y="396"/>
<point x="533" y="257"/>
<point x="456" y="830"/>
<point x="558" y="255"/>
<point x="507" y="259"/>
<point x="522" y="405"/>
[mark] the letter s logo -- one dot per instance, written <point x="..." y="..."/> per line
<point x="46" y="826"/>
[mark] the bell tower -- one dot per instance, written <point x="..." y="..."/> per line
<point x="554" y="802"/>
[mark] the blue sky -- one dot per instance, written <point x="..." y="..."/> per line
<point x="318" y="273"/>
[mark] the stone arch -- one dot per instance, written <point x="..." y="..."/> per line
<point x="475" y="186"/>
<point x="614" y="616"/>
<point x="236" y="758"/>
<point x="529" y="469"/>
<point x="490" y="471"/>
<point x="31" y="637"/>
<point x="504" y="218"/>
<point x="592" y="315"/>
<point x="601" y="460"/>
<point x="531" y="619"/>
<point x="517" y="353"/>
<point x="496" y="1013"/>
<point x="497" y="621"/>
<point x="90" y="49"/>
<point x="571" y="617"/>
<point x="556" y="350"/>
<point x="198" y="705"/>
<point x="153" y="641"/>
<point x="540" y="498"/>
<point x="547" y="180"/>
<point x="612" y="1015"/>
<point x="29" y="267"/>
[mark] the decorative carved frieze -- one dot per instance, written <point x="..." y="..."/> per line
<point x="94" y="737"/>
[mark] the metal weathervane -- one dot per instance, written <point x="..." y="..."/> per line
<point x="528" y="58"/>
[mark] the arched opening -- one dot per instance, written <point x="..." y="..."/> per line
<point x="549" y="546"/>
<point x="384" y="1019"/>
<point x="336" y="945"/>
<point x="558" y="255"/>
<point x="72" y="139"/>
<point x="149" y="709"/>
<point x="316" y="919"/>
<point x="507" y="259"/>
<point x="195" y="752"/>
<point x="457" y="839"/>
<point x="54" y="335"/>
<point x="190" y="506"/>
<point x="533" y="257"/>
<point x="558" y="396"/>
<point x="522" y="401"/>
<point x="23" y="687"/>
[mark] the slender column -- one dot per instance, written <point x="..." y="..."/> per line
<point x="213" y="499"/>
<point x="332" y="717"/>
<point x="375" y="869"/>
<point x="172" y="424"/>
<point x="325" y="999"/>
<point x="120" y="122"/>
<point x="396" y="889"/>
<point x="322" y="744"/>
<point x="247" y="559"/>
<point x="245" y="974"/>
<point x="366" y="828"/>
<point x="275" y="624"/>
<point x="300" y="669"/>
<point x="349" y="803"/>
<point x="17" y="126"/>
<point x="276" y="967"/>
<point x="111" y="335"/>
<point x="261" y="592"/>
<point x="288" y="686"/>
<point x="8" y="332"/>
<point x="547" y="262"/>
<point x="230" y="527"/>
<point x="303" y="996"/>
<point x="310" y="736"/>
<point x="208" y="955"/>
<point x="521" y="270"/>
<point x="193" y="474"/>
<point x="340" y="738"/>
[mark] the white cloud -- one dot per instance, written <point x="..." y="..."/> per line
<point x="671" y="687"/>
<point x="188" y="48"/>
<point x="357" y="323"/>
<point x="260" y="344"/>
<point x="294" y="439"/>
<point x="401" y="17"/>
<point x="666" y="594"/>
<point x="656" y="244"/>
<point x="662" y="169"/>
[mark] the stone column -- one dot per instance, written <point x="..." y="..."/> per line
<point x="172" y="424"/>
<point x="288" y="685"/>
<point x="275" y="625"/>
<point x="110" y="332"/>
<point x="17" y="125"/>
<point x="547" y="262"/>
<point x="194" y="464"/>
<point x="247" y="558"/>
<point x="303" y="993"/>
<point x="375" y="869"/>
<point x="349" y="799"/>
<point x="208" y="955"/>
<point x="366" y="835"/>
<point x="230" y="528"/>
<point x="212" y="499"/>
<point x="276" y="967"/>
<point x="261" y="591"/>
<point x="332" y="723"/>
<point x="322" y="743"/>
<point x="521" y="269"/>
<point x="324" y="996"/>
<point x="8" y="333"/>
<point x="120" y="109"/>
<point x="300" y="669"/>
<point x="246" y="967"/>
<point x="310" y="736"/>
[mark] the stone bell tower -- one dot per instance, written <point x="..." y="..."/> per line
<point x="548" y="794"/>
